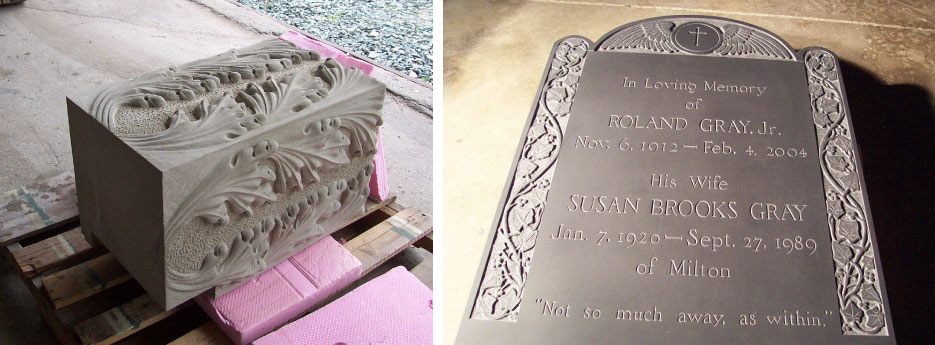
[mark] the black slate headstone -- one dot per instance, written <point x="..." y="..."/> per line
<point x="684" y="179"/>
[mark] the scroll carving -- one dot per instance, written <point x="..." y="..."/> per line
<point x="504" y="278"/>
<point x="656" y="36"/>
<point x="858" y="288"/>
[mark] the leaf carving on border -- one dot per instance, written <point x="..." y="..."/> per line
<point x="501" y="289"/>
<point x="859" y="293"/>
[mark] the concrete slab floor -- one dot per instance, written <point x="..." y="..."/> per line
<point x="495" y="52"/>
<point x="50" y="49"/>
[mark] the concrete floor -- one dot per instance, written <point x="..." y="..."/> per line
<point x="495" y="52"/>
<point x="50" y="49"/>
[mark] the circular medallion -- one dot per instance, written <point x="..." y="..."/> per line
<point x="697" y="37"/>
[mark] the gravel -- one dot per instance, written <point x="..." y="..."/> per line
<point x="396" y="33"/>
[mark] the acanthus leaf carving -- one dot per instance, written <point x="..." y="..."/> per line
<point x="274" y="238"/>
<point x="186" y="81"/>
<point x="249" y="185"/>
<point x="214" y="123"/>
<point x="282" y="98"/>
<point x="299" y="165"/>
<point x="344" y="106"/>
<point x="359" y="117"/>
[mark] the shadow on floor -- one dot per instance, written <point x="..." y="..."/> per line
<point x="20" y="322"/>
<point x="894" y="126"/>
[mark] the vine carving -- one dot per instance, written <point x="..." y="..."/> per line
<point x="503" y="280"/>
<point x="858" y="288"/>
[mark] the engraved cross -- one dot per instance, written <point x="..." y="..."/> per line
<point x="697" y="34"/>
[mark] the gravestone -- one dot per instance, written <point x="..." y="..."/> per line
<point x="201" y="176"/>
<point x="683" y="179"/>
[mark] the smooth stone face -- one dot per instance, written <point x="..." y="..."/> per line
<point x="703" y="186"/>
<point x="201" y="176"/>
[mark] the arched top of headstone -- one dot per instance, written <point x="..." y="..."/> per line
<point x="697" y="35"/>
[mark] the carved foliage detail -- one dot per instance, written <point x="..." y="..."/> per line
<point x="503" y="280"/>
<point x="858" y="288"/>
<point x="186" y="81"/>
<point x="739" y="40"/>
<point x="274" y="238"/>
<point x="330" y="90"/>
<point x="351" y="101"/>
<point x="247" y="181"/>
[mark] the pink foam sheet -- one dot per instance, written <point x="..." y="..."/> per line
<point x="395" y="308"/>
<point x="283" y="292"/>
<point x="379" y="186"/>
<point x="326" y="51"/>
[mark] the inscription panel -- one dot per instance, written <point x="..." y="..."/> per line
<point x="690" y="203"/>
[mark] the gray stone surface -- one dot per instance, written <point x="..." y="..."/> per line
<point x="84" y="44"/>
<point x="201" y="176"/>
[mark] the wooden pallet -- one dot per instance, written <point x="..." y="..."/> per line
<point x="86" y="297"/>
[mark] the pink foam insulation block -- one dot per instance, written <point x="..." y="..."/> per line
<point x="283" y="292"/>
<point x="395" y="308"/>
<point x="379" y="187"/>
<point x="326" y="51"/>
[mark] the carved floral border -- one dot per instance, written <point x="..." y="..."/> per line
<point x="504" y="278"/>
<point x="858" y="287"/>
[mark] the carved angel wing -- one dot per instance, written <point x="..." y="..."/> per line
<point x="739" y="40"/>
<point x="654" y="36"/>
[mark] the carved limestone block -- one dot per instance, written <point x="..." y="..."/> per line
<point x="201" y="176"/>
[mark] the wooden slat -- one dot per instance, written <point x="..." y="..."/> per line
<point x="38" y="207"/>
<point x="123" y="320"/>
<point x="80" y="281"/>
<point x="388" y="238"/>
<point x="52" y="252"/>
<point x="393" y="208"/>
<point x="372" y="205"/>
<point x="207" y="334"/>
<point x="76" y="283"/>
<point x="61" y="331"/>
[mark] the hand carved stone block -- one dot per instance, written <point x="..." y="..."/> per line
<point x="202" y="176"/>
